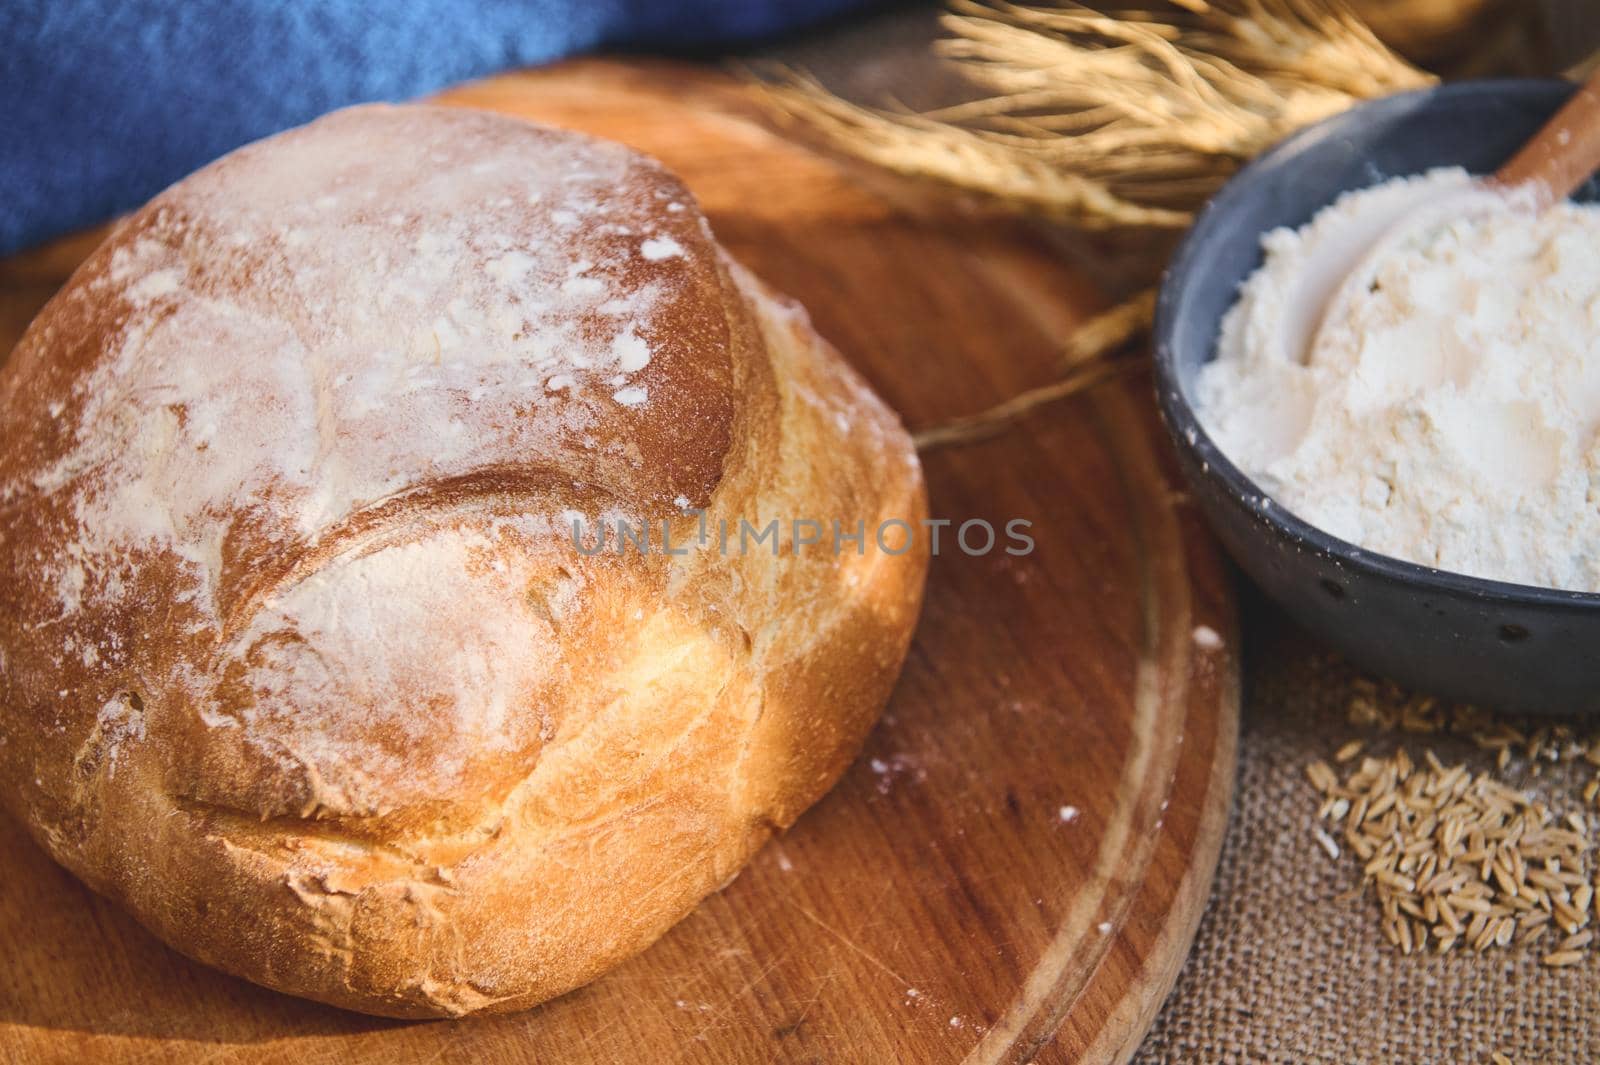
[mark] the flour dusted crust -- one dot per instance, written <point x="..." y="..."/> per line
<point x="298" y="659"/>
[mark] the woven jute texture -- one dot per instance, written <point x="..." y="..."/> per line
<point x="1285" y="971"/>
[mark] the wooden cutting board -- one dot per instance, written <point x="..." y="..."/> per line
<point x="1014" y="868"/>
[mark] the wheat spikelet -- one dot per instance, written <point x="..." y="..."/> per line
<point x="1113" y="119"/>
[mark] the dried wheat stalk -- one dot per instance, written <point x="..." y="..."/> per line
<point x="1083" y="366"/>
<point x="1108" y="119"/>
<point x="1111" y="119"/>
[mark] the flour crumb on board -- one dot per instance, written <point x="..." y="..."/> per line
<point x="1104" y="928"/>
<point x="1067" y="814"/>
<point x="892" y="768"/>
<point x="1206" y="638"/>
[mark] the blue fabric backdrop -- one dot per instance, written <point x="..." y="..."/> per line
<point x="103" y="103"/>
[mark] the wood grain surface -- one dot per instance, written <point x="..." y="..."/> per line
<point x="1013" y="869"/>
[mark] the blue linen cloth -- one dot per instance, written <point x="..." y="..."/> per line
<point x="103" y="103"/>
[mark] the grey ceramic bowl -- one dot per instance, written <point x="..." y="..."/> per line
<point x="1462" y="638"/>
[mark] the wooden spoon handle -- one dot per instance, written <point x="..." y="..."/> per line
<point x="1563" y="154"/>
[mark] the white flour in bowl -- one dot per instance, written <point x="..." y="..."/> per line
<point x="1450" y="418"/>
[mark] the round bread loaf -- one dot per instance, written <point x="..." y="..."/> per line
<point x="300" y="658"/>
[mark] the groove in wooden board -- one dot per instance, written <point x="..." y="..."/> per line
<point x="940" y="864"/>
<point x="1076" y="950"/>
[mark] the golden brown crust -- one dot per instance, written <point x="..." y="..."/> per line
<point x="300" y="660"/>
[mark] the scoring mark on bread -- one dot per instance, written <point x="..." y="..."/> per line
<point x="396" y="518"/>
<point x="120" y="720"/>
<point x="552" y="597"/>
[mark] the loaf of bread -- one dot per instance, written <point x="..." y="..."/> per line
<point x="301" y="660"/>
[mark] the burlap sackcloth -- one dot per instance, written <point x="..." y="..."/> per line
<point x="1283" y="971"/>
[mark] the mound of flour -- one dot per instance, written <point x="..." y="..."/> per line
<point x="1450" y="418"/>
